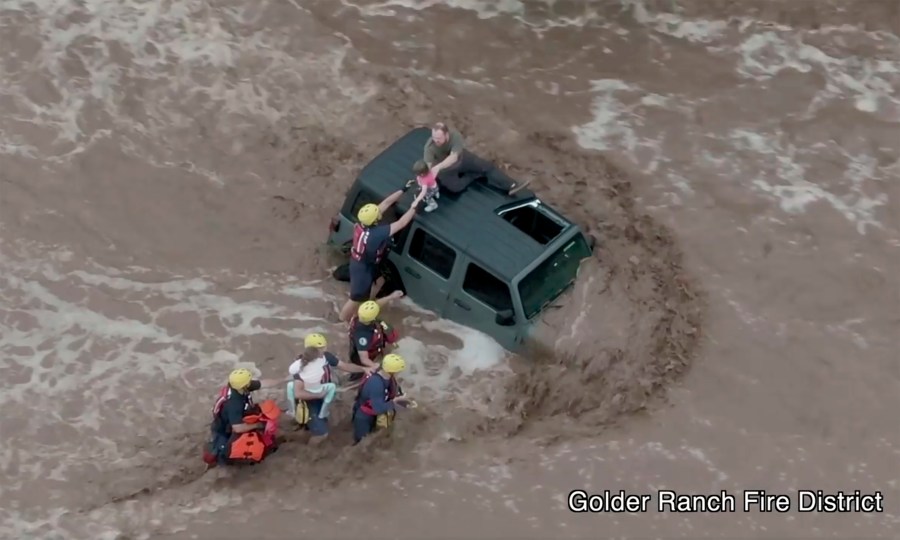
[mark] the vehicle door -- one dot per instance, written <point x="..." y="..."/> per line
<point x="484" y="302"/>
<point x="427" y="269"/>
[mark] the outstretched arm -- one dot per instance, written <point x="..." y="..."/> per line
<point x="268" y="383"/>
<point x="407" y="218"/>
<point x="456" y="149"/>
<point x="234" y="415"/>
<point x="366" y="361"/>
<point x="447" y="163"/>
<point x="389" y="298"/>
<point x="390" y="200"/>
<point x="350" y="367"/>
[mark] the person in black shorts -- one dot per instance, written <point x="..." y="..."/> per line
<point x="368" y="251"/>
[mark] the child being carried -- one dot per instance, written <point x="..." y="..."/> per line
<point x="427" y="181"/>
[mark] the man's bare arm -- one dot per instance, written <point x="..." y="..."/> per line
<point x="244" y="428"/>
<point x="365" y="360"/>
<point x="449" y="162"/>
<point x="385" y="300"/>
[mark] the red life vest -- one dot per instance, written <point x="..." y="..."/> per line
<point x="392" y="391"/>
<point x="380" y="339"/>
<point x="360" y="241"/>
<point x="326" y="377"/>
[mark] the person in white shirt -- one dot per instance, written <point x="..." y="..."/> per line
<point x="312" y="389"/>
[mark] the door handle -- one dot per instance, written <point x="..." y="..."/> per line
<point x="412" y="272"/>
<point x="464" y="306"/>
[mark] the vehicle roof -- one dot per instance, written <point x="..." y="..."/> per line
<point x="468" y="220"/>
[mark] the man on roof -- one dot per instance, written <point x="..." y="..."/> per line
<point x="455" y="167"/>
<point x="369" y="248"/>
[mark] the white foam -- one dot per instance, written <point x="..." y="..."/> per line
<point x="865" y="80"/>
<point x="670" y="24"/>
<point x="484" y="9"/>
<point x="765" y="158"/>
<point x="176" y="57"/>
<point x="479" y="351"/>
<point x="305" y="292"/>
<point x="127" y="346"/>
<point x="611" y="125"/>
<point x="784" y="176"/>
<point x="439" y="371"/>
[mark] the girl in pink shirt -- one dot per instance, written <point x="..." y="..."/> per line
<point x="427" y="181"/>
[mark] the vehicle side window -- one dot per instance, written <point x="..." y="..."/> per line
<point x="433" y="253"/>
<point x="390" y="215"/>
<point x="483" y="286"/>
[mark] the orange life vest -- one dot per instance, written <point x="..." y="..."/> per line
<point x="250" y="445"/>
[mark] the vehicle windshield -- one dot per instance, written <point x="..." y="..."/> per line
<point x="553" y="276"/>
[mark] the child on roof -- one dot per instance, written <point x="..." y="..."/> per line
<point x="427" y="181"/>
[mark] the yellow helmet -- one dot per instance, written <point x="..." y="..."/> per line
<point x="368" y="311"/>
<point x="240" y="378"/>
<point x="315" y="341"/>
<point x="393" y="363"/>
<point x="368" y="214"/>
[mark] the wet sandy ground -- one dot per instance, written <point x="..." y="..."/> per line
<point x="167" y="172"/>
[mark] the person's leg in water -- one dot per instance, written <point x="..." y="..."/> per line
<point x="470" y="164"/>
<point x="377" y="283"/>
<point x="361" y="286"/>
<point x="318" y="427"/>
<point x="363" y="425"/>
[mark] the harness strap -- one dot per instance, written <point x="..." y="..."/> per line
<point x="366" y="406"/>
<point x="361" y="243"/>
<point x="379" y="338"/>
<point x="358" y="232"/>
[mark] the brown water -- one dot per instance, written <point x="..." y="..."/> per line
<point x="168" y="170"/>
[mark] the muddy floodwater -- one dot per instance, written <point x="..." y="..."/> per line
<point x="168" y="171"/>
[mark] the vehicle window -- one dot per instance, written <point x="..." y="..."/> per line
<point x="534" y="223"/>
<point x="390" y="215"/>
<point x="485" y="287"/>
<point x="553" y="276"/>
<point x="433" y="253"/>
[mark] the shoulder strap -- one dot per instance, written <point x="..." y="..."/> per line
<point x="224" y="394"/>
<point x="362" y="383"/>
<point x="358" y="246"/>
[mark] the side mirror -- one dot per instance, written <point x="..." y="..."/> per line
<point x="506" y="318"/>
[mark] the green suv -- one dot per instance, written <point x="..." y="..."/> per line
<point x="483" y="259"/>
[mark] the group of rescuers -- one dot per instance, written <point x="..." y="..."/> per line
<point x="243" y="431"/>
